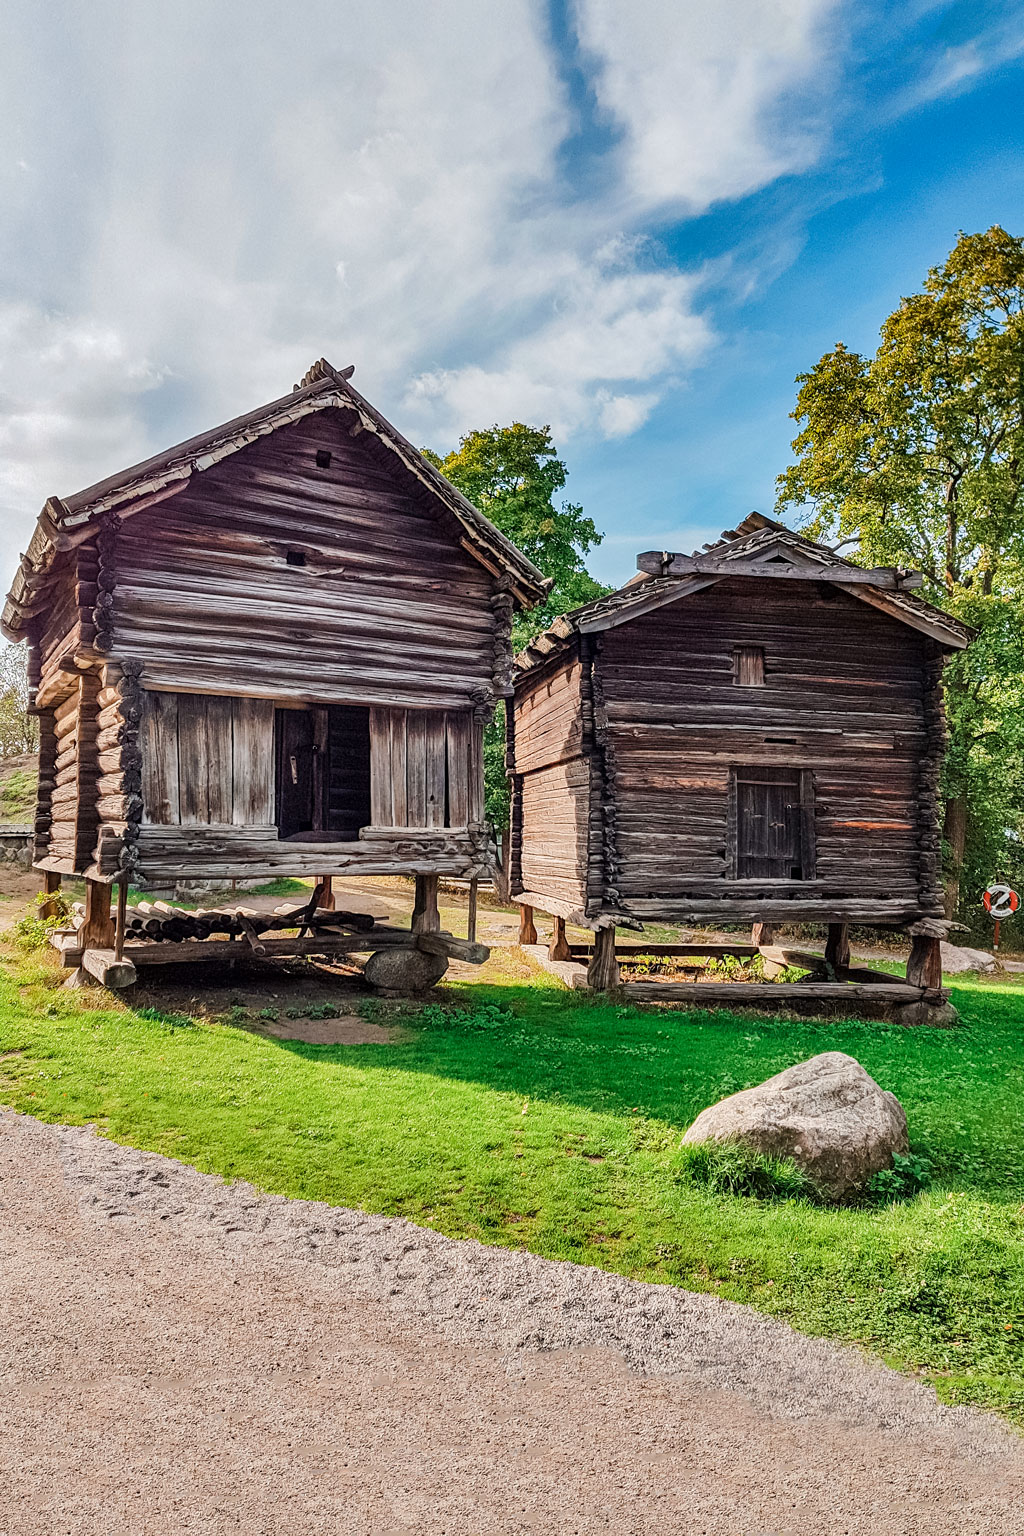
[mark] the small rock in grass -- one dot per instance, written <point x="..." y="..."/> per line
<point x="826" y="1114"/>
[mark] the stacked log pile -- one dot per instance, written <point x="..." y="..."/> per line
<point x="159" y="922"/>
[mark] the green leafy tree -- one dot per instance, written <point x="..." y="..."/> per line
<point x="513" y="474"/>
<point x="915" y="457"/>
<point x="18" y="731"/>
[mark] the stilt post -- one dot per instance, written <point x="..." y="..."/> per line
<point x="924" y="968"/>
<point x="527" y="927"/>
<point x="122" y="913"/>
<point x="51" y="886"/>
<point x="837" y="947"/>
<point x="559" y="946"/>
<point x="762" y="933"/>
<point x="474" y="886"/>
<point x="98" y="930"/>
<point x="603" y="971"/>
<point x="326" y="882"/>
<point x="425" y="916"/>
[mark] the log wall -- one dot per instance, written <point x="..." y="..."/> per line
<point x="653" y="709"/>
<point x="276" y="576"/>
<point x="843" y="697"/>
<point x="551" y="785"/>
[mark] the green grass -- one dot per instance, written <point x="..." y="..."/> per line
<point x="543" y="1120"/>
<point x="18" y="796"/>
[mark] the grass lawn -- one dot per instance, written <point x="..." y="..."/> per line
<point x="539" y="1119"/>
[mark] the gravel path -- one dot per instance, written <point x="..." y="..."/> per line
<point x="181" y="1356"/>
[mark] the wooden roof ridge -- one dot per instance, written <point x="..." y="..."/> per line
<point x="754" y="536"/>
<point x="66" y="521"/>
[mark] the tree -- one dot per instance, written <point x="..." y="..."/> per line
<point x="915" y="456"/>
<point x="18" y="731"/>
<point x="513" y="474"/>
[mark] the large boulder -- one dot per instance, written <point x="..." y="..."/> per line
<point x="399" y="972"/>
<point x="827" y="1114"/>
<point x="956" y="959"/>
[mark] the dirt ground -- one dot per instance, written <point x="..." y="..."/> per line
<point x="183" y="1358"/>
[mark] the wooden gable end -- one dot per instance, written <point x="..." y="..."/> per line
<point x="844" y="718"/>
<point x="307" y="566"/>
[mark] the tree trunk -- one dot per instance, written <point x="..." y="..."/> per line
<point x="502" y="872"/>
<point x="954" y="832"/>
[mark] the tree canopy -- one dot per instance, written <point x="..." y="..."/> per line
<point x="915" y="456"/>
<point x="513" y="474"/>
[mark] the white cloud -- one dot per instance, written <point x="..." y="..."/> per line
<point x="199" y="200"/>
<point x="708" y="92"/>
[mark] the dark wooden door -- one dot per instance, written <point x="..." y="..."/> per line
<point x="769" y="824"/>
<point x="299" y="771"/>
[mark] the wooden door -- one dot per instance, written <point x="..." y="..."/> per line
<point x="771" y="831"/>
<point x="300" y="771"/>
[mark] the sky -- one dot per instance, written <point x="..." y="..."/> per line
<point x="634" y="223"/>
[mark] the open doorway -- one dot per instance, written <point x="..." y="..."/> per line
<point x="322" y="772"/>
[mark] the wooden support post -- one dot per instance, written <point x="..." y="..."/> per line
<point x="98" y="930"/>
<point x="122" y="913"/>
<point x="559" y="946"/>
<point x="326" y="883"/>
<point x="474" y="885"/>
<point x="603" y="971"/>
<point x="762" y="933"/>
<point x="924" y="968"/>
<point x="837" y="947"/>
<point x="425" y="916"/>
<point x="527" y="927"/>
<point x="51" y="885"/>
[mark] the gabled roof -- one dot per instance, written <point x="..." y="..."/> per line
<point x="66" y="521"/>
<point x="758" y="541"/>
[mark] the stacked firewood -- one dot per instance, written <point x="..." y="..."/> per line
<point x="158" y="921"/>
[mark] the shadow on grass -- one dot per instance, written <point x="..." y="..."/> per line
<point x="961" y="1088"/>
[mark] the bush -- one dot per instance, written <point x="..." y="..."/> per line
<point x="730" y="1168"/>
<point x="903" y="1181"/>
<point x="33" y="931"/>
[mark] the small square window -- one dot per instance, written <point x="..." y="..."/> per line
<point x="323" y="458"/>
<point x="748" y="666"/>
<point x="295" y="557"/>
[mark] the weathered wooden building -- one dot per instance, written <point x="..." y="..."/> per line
<point x="749" y="734"/>
<point x="268" y="651"/>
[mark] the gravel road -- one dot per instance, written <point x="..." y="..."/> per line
<point x="182" y="1356"/>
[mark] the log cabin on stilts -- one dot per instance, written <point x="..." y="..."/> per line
<point x="748" y="735"/>
<point x="269" y="651"/>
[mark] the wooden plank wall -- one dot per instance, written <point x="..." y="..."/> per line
<point x="207" y="761"/>
<point x="551" y="785"/>
<point x="426" y="768"/>
<point x="387" y="607"/>
<point x="843" y="698"/>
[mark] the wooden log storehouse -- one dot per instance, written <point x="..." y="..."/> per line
<point x="750" y="734"/>
<point x="269" y="651"/>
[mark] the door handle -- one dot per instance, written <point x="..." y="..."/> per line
<point x="293" y="760"/>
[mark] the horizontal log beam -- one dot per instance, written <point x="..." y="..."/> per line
<point x="888" y="578"/>
<point x="108" y="970"/>
<point x="742" y="994"/>
<point x="456" y="949"/>
<point x="712" y="951"/>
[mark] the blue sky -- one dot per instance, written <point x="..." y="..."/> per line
<point x="521" y="209"/>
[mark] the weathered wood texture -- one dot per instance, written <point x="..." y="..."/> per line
<point x="207" y="760"/>
<point x="274" y="576"/>
<point x="850" y="707"/>
<point x="425" y="768"/>
<point x="552" y="787"/>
